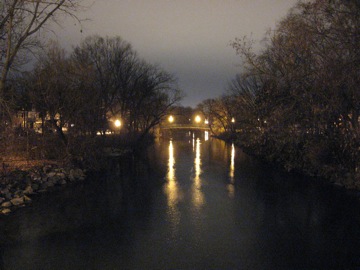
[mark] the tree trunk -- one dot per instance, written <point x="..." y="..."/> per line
<point x="60" y="132"/>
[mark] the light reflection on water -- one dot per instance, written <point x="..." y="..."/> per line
<point x="231" y="186"/>
<point x="172" y="192"/>
<point x="206" y="135"/>
<point x="197" y="195"/>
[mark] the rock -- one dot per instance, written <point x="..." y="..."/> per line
<point x="47" y="168"/>
<point x="5" y="211"/>
<point x="62" y="182"/>
<point x="17" y="201"/>
<point x="6" y="193"/>
<point x="35" y="187"/>
<point x="45" y="185"/>
<point x="6" y="204"/>
<point x="27" y="199"/>
<point x="36" y="178"/>
<point x="28" y="190"/>
<point x="76" y="174"/>
<point x="52" y="181"/>
<point x="51" y="174"/>
<point x="61" y="175"/>
<point x="18" y="193"/>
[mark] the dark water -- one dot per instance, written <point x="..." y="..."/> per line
<point x="190" y="204"/>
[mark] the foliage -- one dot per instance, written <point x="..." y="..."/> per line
<point x="304" y="89"/>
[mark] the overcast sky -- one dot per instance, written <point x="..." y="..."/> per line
<point x="188" y="38"/>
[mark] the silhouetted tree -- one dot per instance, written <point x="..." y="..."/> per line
<point x="308" y="74"/>
<point x="20" y="20"/>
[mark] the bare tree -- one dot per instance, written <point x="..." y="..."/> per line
<point x="20" y="21"/>
<point x="130" y="88"/>
<point x="309" y="84"/>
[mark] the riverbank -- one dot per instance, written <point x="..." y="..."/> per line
<point x="24" y="180"/>
<point x="18" y="187"/>
<point x="331" y="173"/>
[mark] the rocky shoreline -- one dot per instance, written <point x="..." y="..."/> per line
<point x="18" y="186"/>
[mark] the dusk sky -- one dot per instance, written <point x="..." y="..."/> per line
<point x="188" y="38"/>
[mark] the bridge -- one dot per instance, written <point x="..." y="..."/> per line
<point x="190" y="127"/>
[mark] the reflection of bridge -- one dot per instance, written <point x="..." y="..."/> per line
<point x="185" y="127"/>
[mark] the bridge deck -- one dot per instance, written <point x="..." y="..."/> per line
<point x="185" y="126"/>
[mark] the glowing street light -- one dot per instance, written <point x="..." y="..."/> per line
<point x="197" y="119"/>
<point x="233" y="120"/>
<point x="171" y="119"/>
<point x="117" y="123"/>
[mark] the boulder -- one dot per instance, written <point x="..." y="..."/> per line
<point x="61" y="175"/>
<point x="35" y="187"/>
<point x="27" y="199"/>
<point x="51" y="174"/>
<point x="6" y="204"/>
<point x="17" y="201"/>
<point x="62" y="182"/>
<point x="76" y="174"/>
<point x="47" y="168"/>
<point x="28" y="190"/>
<point x="5" y="211"/>
<point x="7" y="194"/>
<point x="52" y="181"/>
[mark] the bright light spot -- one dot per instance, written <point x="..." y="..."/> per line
<point x="206" y="135"/>
<point x="172" y="192"/>
<point x="233" y="120"/>
<point x="171" y="163"/>
<point x="171" y="119"/>
<point x="117" y="123"/>
<point x="206" y="121"/>
<point x="197" y="119"/>
<point x="197" y="194"/>
<point x="230" y="186"/>
<point x="232" y="163"/>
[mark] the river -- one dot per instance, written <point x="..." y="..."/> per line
<point x="191" y="203"/>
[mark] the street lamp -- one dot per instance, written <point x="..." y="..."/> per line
<point x="171" y="119"/>
<point x="233" y="120"/>
<point x="117" y="123"/>
<point x="197" y="119"/>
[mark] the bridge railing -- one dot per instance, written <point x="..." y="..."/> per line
<point x="184" y="126"/>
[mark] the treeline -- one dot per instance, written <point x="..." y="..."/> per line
<point x="101" y="86"/>
<point x="101" y="81"/>
<point x="297" y="102"/>
<point x="81" y="94"/>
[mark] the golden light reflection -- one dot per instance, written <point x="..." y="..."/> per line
<point x="172" y="192"/>
<point x="206" y="135"/>
<point x="230" y="186"/>
<point x="232" y="164"/>
<point x="171" y="164"/>
<point x="197" y="195"/>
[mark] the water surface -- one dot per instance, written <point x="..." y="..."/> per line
<point x="187" y="204"/>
